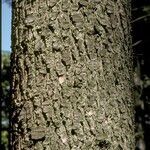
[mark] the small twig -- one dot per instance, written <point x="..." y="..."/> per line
<point x="136" y="43"/>
<point x="142" y="17"/>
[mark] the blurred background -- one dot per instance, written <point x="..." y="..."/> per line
<point x="141" y="47"/>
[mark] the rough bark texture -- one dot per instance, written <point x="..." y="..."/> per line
<point x="72" y="75"/>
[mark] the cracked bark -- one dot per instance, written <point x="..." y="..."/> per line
<point x="72" y="75"/>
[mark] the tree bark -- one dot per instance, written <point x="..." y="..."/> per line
<point x="72" y="75"/>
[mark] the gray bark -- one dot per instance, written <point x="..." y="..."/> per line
<point x="72" y="75"/>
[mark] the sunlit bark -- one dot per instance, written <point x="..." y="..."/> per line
<point x="72" y="75"/>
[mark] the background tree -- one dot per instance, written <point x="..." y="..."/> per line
<point x="72" y="75"/>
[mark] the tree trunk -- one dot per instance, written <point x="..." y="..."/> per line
<point x="72" y="75"/>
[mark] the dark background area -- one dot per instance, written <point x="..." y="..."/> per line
<point x="141" y="47"/>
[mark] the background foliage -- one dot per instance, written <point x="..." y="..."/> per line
<point x="5" y="96"/>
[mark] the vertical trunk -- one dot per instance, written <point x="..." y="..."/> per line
<point x="72" y="75"/>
